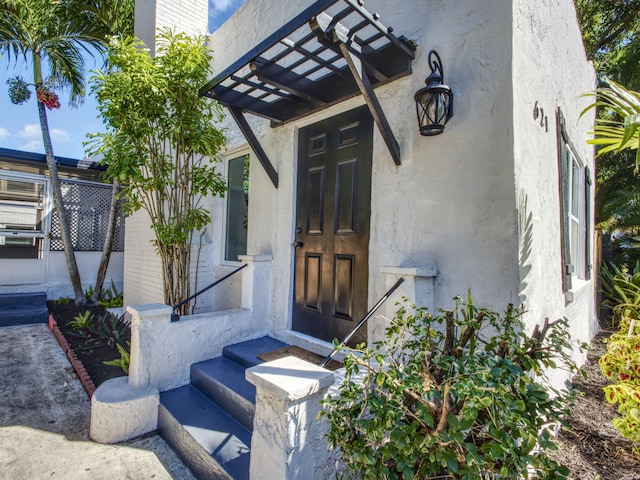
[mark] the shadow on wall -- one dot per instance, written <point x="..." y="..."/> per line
<point x="525" y="239"/>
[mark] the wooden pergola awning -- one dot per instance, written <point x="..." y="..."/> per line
<point x="333" y="50"/>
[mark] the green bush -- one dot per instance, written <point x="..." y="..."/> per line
<point x="62" y="301"/>
<point x="441" y="398"/>
<point x="124" y="360"/>
<point x="621" y="292"/>
<point x="109" y="329"/>
<point x="111" y="297"/>
<point x="621" y="364"/>
<point x="82" y="321"/>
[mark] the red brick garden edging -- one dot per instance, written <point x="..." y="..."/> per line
<point x="77" y="365"/>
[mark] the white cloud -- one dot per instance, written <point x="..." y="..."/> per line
<point x="221" y="5"/>
<point x="59" y="135"/>
<point x="32" y="136"/>
<point x="4" y="134"/>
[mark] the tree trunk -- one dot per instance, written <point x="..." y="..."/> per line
<point x="108" y="242"/>
<point x="58" y="202"/>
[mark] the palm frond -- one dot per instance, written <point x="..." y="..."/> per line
<point x="622" y="129"/>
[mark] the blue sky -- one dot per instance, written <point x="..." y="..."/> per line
<point x="19" y="124"/>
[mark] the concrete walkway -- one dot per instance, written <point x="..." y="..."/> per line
<point x="44" y="420"/>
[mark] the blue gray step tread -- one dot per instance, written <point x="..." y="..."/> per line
<point x="246" y="353"/>
<point x="23" y="299"/>
<point x="11" y="316"/>
<point x="224" y="371"/>
<point x="222" y="437"/>
<point x="223" y="381"/>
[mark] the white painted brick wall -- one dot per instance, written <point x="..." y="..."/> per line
<point x="143" y="269"/>
<point x="189" y="16"/>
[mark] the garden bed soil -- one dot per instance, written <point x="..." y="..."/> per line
<point x="591" y="447"/>
<point x="93" y="359"/>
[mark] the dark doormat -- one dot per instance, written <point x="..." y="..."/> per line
<point x="301" y="353"/>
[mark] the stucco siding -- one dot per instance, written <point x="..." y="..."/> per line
<point x="550" y="71"/>
<point x="451" y="204"/>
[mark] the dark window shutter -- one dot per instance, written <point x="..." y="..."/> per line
<point x="587" y="222"/>
<point x="564" y="203"/>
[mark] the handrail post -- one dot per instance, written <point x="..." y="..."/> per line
<point x="369" y="314"/>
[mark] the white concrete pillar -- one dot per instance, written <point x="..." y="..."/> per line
<point x="148" y="327"/>
<point x="256" y="281"/>
<point x="120" y="412"/>
<point x="417" y="288"/>
<point x="288" y="439"/>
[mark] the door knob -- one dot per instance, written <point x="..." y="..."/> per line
<point x="297" y="244"/>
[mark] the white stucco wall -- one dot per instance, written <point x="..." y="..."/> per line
<point x="56" y="281"/>
<point x="550" y="68"/>
<point x="451" y="204"/>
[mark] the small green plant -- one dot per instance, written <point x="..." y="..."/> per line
<point x="124" y="360"/>
<point x="111" y="297"/>
<point x="82" y="321"/>
<point x="437" y="398"/>
<point x="89" y="293"/>
<point x="108" y="329"/>
<point x="62" y="301"/>
<point x="621" y="364"/>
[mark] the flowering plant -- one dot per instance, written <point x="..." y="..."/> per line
<point x="621" y="364"/>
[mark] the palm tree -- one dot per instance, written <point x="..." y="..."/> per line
<point x="55" y="34"/>
<point x="617" y="128"/>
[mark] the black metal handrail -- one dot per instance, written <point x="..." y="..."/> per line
<point x="369" y="314"/>
<point x="175" y="316"/>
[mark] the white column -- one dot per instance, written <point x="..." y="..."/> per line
<point x="256" y="280"/>
<point x="148" y="326"/>
<point x="417" y="288"/>
<point x="288" y="439"/>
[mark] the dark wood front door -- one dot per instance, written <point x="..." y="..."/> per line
<point x="332" y="229"/>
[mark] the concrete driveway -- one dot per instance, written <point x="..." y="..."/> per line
<point x="44" y="420"/>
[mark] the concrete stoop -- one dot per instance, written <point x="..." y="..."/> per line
<point x="209" y="422"/>
<point x="23" y="308"/>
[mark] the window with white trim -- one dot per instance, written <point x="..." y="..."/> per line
<point x="237" y="208"/>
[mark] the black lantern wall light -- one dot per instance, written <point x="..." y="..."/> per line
<point x="434" y="103"/>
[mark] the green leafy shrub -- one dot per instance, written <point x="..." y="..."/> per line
<point x="124" y="360"/>
<point x="89" y="293"/>
<point x="622" y="292"/>
<point x="62" y="301"/>
<point x="439" y="398"/>
<point x="82" y="321"/>
<point x="621" y="364"/>
<point x="108" y="329"/>
<point x="111" y="297"/>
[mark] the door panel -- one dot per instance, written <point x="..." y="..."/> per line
<point x="333" y="211"/>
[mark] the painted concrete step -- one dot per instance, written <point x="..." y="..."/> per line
<point x="246" y="353"/>
<point x="210" y="442"/>
<point x="223" y="380"/>
<point x="19" y="299"/>
<point x="23" y="308"/>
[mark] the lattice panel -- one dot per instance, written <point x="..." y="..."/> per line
<point x="87" y="206"/>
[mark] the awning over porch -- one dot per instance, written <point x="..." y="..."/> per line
<point x="332" y="51"/>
